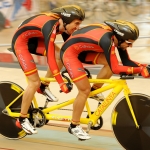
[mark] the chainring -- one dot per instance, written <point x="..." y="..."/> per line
<point x="37" y="117"/>
<point x="99" y="123"/>
<point x="41" y="108"/>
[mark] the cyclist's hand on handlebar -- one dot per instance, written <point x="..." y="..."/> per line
<point x="146" y="71"/>
<point x="66" y="88"/>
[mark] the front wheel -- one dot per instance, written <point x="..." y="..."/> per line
<point x="125" y="131"/>
<point x="8" y="92"/>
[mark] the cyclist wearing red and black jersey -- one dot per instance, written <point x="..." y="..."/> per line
<point x="37" y="35"/>
<point x="96" y="44"/>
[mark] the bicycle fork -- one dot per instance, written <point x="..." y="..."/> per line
<point x="126" y="93"/>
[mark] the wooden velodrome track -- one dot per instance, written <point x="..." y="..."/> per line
<point x="54" y="136"/>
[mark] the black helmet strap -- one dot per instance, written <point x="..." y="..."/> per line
<point x="118" y="37"/>
<point x="119" y="43"/>
<point x="65" y="26"/>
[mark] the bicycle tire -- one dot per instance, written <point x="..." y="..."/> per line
<point x="8" y="128"/>
<point x="125" y="131"/>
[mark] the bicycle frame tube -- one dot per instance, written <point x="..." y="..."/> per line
<point x="57" y="116"/>
<point x="69" y="102"/>
<point x="66" y="103"/>
<point x="34" y="101"/>
<point x="58" y="106"/>
<point x="12" y="114"/>
<point x="90" y="80"/>
<point x="126" y="93"/>
<point x="62" y="117"/>
<point x="117" y="86"/>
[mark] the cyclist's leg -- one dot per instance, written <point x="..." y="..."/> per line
<point x="78" y="106"/>
<point x="104" y="73"/>
<point x="28" y="66"/>
<point x="78" y="75"/>
<point x="83" y="92"/>
<point x="33" y="85"/>
<point x="99" y="58"/>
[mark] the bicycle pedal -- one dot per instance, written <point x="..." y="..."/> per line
<point x="50" y="100"/>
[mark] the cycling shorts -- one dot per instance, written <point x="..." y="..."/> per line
<point x="23" y="50"/>
<point x="74" y="63"/>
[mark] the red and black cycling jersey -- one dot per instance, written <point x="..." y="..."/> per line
<point x="100" y="39"/>
<point x="36" y="35"/>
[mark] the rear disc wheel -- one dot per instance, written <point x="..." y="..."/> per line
<point x="8" y="92"/>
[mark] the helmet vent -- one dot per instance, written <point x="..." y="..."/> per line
<point x="118" y="32"/>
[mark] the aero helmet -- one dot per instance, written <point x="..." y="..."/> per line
<point x="123" y="30"/>
<point x="68" y="13"/>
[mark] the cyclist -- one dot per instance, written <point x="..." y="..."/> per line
<point x="95" y="44"/>
<point x="36" y="35"/>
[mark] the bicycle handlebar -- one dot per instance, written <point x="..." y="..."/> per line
<point x="68" y="80"/>
<point x="69" y="84"/>
<point x="63" y="72"/>
<point x="88" y="73"/>
<point x="126" y="76"/>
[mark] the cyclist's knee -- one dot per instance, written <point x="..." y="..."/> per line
<point x="83" y="86"/>
<point x="109" y="71"/>
<point x="35" y="84"/>
<point x="85" y="90"/>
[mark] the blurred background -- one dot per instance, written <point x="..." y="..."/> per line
<point x="13" y="12"/>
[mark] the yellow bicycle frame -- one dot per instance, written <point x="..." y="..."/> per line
<point x="116" y="86"/>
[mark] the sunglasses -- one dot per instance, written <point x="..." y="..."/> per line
<point x="128" y="42"/>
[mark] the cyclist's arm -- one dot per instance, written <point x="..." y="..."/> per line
<point x="107" y="44"/>
<point x="49" y="32"/>
<point x="126" y="61"/>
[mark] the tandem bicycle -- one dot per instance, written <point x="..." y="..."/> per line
<point x="130" y="117"/>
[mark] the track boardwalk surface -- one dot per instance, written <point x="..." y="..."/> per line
<point x="57" y="138"/>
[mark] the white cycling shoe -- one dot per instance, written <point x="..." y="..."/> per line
<point x="51" y="97"/>
<point x="79" y="133"/>
<point x="98" y="97"/>
<point x="26" y="126"/>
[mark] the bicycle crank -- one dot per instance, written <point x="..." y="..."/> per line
<point x="41" y="108"/>
<point x="99" y="123"/>
<point x="37" y="117"/>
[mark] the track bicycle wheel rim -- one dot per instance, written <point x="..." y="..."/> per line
<point x="9" y="129"/>
<point x="128" y="136"/>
